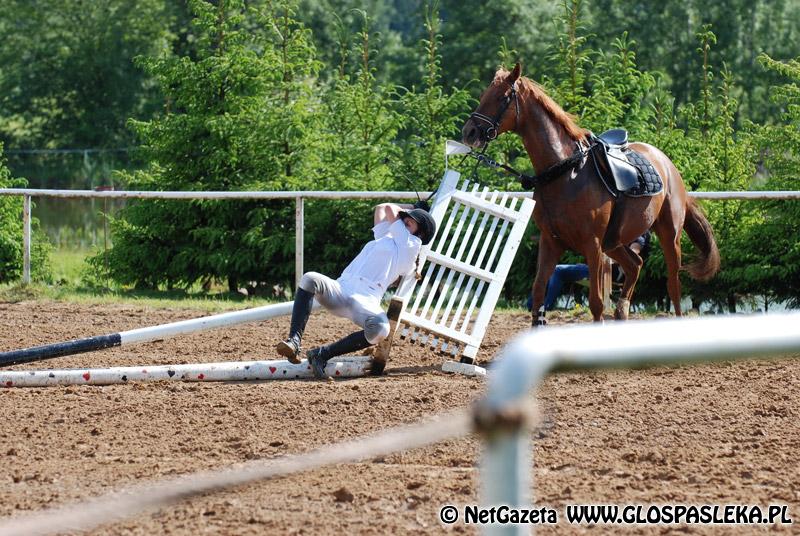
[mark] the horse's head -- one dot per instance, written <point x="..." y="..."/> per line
<point x="493" y="116"/>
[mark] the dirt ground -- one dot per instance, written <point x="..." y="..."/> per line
<point x="712" y="434"/>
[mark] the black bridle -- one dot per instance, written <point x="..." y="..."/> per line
<point x="489" y="133"/>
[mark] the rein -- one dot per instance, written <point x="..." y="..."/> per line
<point x="531" y="182"/>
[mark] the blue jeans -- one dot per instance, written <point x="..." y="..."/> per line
<point x="562" y="275"/>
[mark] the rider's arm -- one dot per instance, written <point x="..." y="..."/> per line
<point x="389" y="212"/>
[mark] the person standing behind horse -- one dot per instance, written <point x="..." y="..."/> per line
<point x="400" y="232"/>
<point x="566" y="274"/>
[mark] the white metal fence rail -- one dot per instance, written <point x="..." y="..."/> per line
<point x="506" y="465"/>
<point x="298" y="196"/>
<point x="523" y="364"/>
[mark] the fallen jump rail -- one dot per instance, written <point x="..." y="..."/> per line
<point x="506" y="464"/>
<point x="146" y="334"/>
<point x="226" y="371"/>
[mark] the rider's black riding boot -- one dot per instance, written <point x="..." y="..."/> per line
<point x="318" y="357"/>
<point x="290" y="348"/>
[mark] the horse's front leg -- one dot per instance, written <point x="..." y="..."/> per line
<point x="595" y="261"/>
<point x="550" y="251"/>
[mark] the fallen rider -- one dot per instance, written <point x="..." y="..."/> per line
<point x="400" y="232"/>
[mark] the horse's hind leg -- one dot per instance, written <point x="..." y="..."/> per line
<point x="550" y="251"/>
<point x="631" y="265"/>
<point x="670" y="240"/>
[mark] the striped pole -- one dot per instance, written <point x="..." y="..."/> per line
<point x="343" y="367"/>
<point x="152" y="333"/>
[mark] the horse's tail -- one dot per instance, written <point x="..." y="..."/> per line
<point x="706" y="265"/>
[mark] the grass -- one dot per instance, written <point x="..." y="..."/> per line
<point x="67" y="268"/>
<point x="175" y="299"/>
<point x="67" y="265"/>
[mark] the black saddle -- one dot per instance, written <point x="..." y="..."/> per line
<point x="622" y="169"/>
<point x="615" y="136"/>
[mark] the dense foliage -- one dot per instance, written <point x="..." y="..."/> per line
<point x="68" y="81"/>
<point x="772" y="249"/>
<point x="235" y="119"/>
<point x="11" y="233"/>
<point x="345" y="94"/>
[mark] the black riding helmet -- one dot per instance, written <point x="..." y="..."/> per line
<point x="427" y="227"/>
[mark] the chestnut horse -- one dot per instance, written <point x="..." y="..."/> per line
<point x="574" y="209"/>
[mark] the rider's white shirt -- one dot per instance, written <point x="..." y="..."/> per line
<point x="392" y="254"/>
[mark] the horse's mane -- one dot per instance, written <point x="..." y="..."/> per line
<point x="551" y="107"/>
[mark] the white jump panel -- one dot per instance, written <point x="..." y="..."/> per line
<point x="464" y="268"/>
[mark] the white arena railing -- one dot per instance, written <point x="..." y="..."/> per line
<point x="501" y="416"/>
<point x="524" y="363"/>
<point x="298" y="196"/>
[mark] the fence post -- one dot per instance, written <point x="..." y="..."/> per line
<point x="299" y="223"/>
<point x="506" y="472"/>
<point x="26" y="239"/>
<point x="506" y="477"/>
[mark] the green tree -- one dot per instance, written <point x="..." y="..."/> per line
<point x="11" y="234"/>
<point x="711" y="155"/>
<point x="335" y="25"/>
<point x="68" y="76"/>
<point x="473" y="31"/>
<point x="569" y="59"/>
<point x="774" y="245"/>
<point x="433" y="115"/>
<point x="666" y="31"/>
<point x="725" y="163"/>
<point x="68" y="80"/>
<point x="227" y="125"/>
<point x="360" y="125"/>
<point x="361" y="122"/>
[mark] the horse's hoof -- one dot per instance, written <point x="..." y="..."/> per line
<point x="623" y="309"/>
<point x="539" y="322"/>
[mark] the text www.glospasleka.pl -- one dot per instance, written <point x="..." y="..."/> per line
<point x="608" y="514"/>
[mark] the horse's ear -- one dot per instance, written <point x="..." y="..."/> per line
<point x="514" y="74"/>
